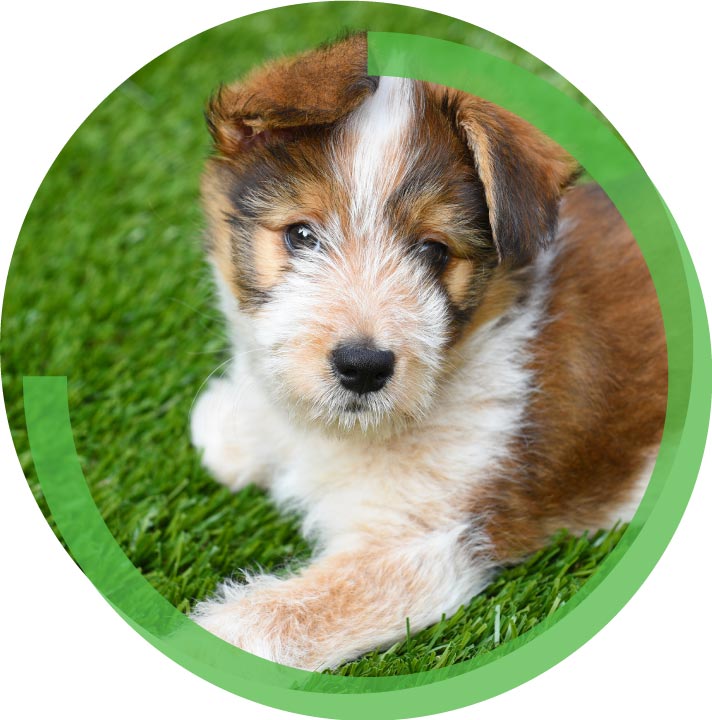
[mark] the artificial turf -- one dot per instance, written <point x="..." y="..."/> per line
<point x="108" y="286"/>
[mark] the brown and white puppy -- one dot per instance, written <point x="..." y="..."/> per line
<point x="425" y="367"/>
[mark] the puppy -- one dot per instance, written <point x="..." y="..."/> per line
<point x="444" y="351"/>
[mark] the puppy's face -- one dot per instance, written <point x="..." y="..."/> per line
<point x="358" y="234"/>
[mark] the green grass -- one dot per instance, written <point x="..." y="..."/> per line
<point x="108" y="286"/>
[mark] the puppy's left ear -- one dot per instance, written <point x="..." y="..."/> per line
<point x="523" y="172"/>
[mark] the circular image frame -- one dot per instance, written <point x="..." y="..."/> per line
<point x="608" y="160"/>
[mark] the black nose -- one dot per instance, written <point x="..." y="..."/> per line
<point x="362" y="369"/>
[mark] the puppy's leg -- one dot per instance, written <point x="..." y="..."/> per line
<point x="348" y="603"/>
<point x="227" y="426"/>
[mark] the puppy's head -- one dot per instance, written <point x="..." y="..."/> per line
<point x="357" y="222"/>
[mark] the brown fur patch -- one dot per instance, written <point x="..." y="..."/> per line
<point x="270" y="257"/>
<point x="457" y="279"/>
<point x="600" y="364"/>
<point x="218" y="209"/>
<point x="314" y="88"/>
<point x="503" y="290"/>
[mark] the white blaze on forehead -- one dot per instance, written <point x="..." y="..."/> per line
<point x="379" y="127"/>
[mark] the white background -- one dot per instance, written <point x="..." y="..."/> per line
<point x="66" y="653"/>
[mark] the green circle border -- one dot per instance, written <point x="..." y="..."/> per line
<point x="613" y="166"/>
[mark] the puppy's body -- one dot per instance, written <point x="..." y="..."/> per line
<point x="528" y="378"/>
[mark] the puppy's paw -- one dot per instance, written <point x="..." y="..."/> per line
<point x="234" y="623"/>
<point x="216" y="431"/>
<point x="257" y="621"/>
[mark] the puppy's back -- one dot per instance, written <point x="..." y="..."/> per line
<point x="595" y="420"/>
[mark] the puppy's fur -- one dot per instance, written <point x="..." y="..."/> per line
<point x="529" y="377"/>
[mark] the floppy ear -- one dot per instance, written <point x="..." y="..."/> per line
<point x="314" y="88"/>
<point x="523" y="172"/>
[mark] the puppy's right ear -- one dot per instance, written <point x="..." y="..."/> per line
<point x="315" y="88"/>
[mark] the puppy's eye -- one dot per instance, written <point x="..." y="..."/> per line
<point x="301" y="237"/>
<point x="435" y="254"/>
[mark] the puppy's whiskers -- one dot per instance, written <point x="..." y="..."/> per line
<point x="204" y="383"/>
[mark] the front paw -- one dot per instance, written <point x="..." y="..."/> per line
<point x="257" y="621"/>
<point x="215" y="427"/>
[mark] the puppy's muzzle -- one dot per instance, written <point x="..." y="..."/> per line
<point x="362" y="369"/>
